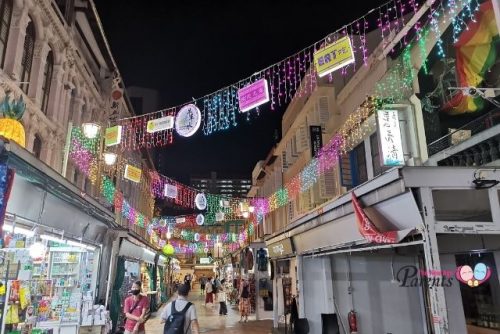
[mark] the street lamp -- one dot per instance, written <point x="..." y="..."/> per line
<point x="90" y="130"/>
<point x="110" y="158"/>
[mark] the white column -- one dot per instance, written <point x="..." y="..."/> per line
<point x="300" y="287"/>
<point x="437" y="299"/>
<point x="15" y="45"/>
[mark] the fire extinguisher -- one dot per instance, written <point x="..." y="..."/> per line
<point x="353" y="323"/>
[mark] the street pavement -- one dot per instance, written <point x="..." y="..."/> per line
<point x="211" y="322"/>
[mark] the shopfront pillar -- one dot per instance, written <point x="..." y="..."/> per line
<point x="437" y="299"/>
<point x="300" y="287"/>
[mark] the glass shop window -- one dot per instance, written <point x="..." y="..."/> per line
<point x="464" y="205"/>
<point x="480" y="290"/>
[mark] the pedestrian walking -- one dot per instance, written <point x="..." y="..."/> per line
<point x="209" y="288"/>
<point x="135" y="309"/>
<point x="203" y="282"/>
<point x="244" y="300"/>
<point x="221" y="298"/>
<point x="179" y="315"/>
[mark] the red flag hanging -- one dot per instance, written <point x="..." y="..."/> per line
<point x="368" y="230"/>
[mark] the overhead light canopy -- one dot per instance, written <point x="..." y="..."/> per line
<point x="90" y="130"/>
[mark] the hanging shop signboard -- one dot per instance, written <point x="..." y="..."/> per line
<point x="133" y="173"/>
<point x="200" y="201"/>
<point x="367" y="229"/>
<point x="170" y="191"/>
<point x="333" y="57"/>
<point x="188" y="120"/>
<point x="200" y="219"/>
<point x="389" y="135"/>
<point x="253" y="95"/>
<point x="113" y="135"/>
<point x="316" y="139"/>
<point x="281" y="248"/>
<point x="160" y="124"/>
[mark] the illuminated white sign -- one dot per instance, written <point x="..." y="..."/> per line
<point x="170" y="191"/>
<point x="200" y="219"/>
<point x="389" y="134"/>
<point x="160" y="124"/>
<point x="188" y="120"/>
<point x="204" y="260"/>
<point x="200" y="201"/>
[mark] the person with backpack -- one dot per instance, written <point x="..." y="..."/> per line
<point x="209" y="288"/>
<point x="179" y="315"/>
<point x="135" y="309"/>
<point x="221" y="298"/>
<point x="244" y="300"/>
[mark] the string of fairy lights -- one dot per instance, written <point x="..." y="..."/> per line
<point x="277" y="85"/>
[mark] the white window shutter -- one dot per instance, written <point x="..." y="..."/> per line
<point x="327" y="184"/>
<point x="301" y="137"/>
<point x="323" y="111"/>
<point x="284" y="161"/>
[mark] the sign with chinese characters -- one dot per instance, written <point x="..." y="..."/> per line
<point x="170" y="191"/>
<point x="316" y="139"/>
<point x="333" y="57"/>
<point x="281" y="248"/>
<point x="188" y="120"/>
<point x="389" y="135"/>
<point x="200" y="219"/>
<point x="133" y="173"/>
<point x="113" y="135"/>
<point x="114" y="101"/>
<point x="200" y="201"/>
<point x="253" y="95"/>
<point x="160" y="124"/>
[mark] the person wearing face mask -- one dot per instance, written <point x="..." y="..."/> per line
<point x="135" y="309"/>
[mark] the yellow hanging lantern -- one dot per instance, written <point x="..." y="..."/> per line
<point x="10" y="126"/>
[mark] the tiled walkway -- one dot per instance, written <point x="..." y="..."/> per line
<point x="211" y="322"/>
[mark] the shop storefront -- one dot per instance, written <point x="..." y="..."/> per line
<point x="135" y="262"/>
<point x="283" y="275"/>
<point x="53" y="240"/>
<point x="263" y="282"/>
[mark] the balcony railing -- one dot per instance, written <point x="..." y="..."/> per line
<point x="476" y="126"/>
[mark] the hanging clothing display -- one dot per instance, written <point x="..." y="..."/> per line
<point x="262" y="259"/>
<point x="248" y="260"/>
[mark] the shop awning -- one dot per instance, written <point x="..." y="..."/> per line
<point x="41" y="195"/>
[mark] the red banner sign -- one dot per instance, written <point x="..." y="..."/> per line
<point x="368" y="230"/>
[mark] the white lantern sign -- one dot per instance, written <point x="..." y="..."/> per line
<point x="200" y="201"/>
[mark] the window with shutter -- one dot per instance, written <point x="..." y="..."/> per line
<point x="302" y="139"/>
<point x="327" y="187"/>
<point x="345" y="171"/>
<point x="27" y="59"/>
<point x="5" y="18"/>
<point x="323" y="111"/>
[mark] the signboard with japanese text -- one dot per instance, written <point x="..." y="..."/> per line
<point x="170" y="191"/>
<point x="389" y="133"/>
<point x="113" y="135"/>
<point x="253" y="95"/>
<point x="281" y="248"/>
<point x="316" y="139"/>
<point x="133" y="173"/>
<point x="160" y="124"/>
<point x="334" y="56"/>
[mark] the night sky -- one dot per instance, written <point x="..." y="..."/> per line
<point x="187" y="49"/>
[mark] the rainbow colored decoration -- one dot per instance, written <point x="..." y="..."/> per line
<point x="475" y="54"/>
